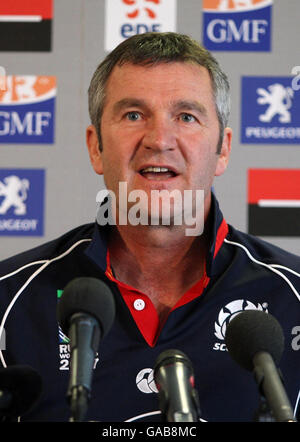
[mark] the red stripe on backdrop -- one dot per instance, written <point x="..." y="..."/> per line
<point x="27" y="7"/>
<point x="273" y="184"/>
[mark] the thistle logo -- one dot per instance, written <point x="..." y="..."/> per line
<point x="125" y="18"/>
<point x="237" y="25"/>
<point x="21" y="202"/>
<point x="145" y="381"/>
<point x="227" y="313"/>
<point x="27" y="109"/>
<point x="270" y="111"/>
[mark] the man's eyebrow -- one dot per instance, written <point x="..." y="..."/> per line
<point x="176" y="105"/>
<point x="128" y="102"/>
<point x="191" y="105"/>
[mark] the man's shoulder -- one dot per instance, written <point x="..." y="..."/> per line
<point x="261" y="249"/>
<point x="49" y="250"/>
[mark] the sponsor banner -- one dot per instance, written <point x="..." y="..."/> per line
<point x="270" y="111"/>
<point x="27" y="109"/>
<point x="274" y="202"/>
<point x="22" y="202"/>
<point x="26" y="25"/>
<point x="2" y="79"/>
<point x="125" y="18"/>
<point x="237" y="25"/>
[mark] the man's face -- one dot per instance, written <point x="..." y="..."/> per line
<point x="159" y="116"/>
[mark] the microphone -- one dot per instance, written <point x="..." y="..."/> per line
<point x="86" y="312"/>
<point x="20" y="390"/>
<point x="174" y="378"/>
<point x="255" y="341"/>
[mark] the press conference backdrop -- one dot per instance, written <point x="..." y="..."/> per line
<point x="48" y="52"/>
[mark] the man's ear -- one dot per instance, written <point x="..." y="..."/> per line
<point x="225" y="152"/>
<point x="92" y="143"/>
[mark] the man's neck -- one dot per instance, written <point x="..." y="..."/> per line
<point x="160" y="262"/>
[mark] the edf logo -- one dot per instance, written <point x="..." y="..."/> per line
<point x="125" y="18"/>
<point x="27" y="106"/>
<point x="237" y="25"/>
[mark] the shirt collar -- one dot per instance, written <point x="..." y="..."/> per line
<point x="217" y="234"/>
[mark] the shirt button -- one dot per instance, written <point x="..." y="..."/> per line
<point x="139" y="304"/>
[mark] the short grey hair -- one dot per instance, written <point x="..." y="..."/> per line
<point x="153" y="48"/>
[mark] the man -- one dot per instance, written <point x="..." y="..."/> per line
<point x="159" y="106"/>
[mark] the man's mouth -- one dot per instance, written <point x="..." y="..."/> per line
<point x="157" y="173"/>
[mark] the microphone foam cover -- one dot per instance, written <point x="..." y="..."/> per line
<point x="253" y="331"/>
<point x="25" y="386"/>
<point x="86" y="295"/>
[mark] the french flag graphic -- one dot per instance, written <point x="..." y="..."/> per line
<point x="274" y="202"/>
<point x="26" y="25"/>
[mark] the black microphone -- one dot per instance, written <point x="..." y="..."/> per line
<point x="174" y="378"/>
<point x="86" y="312"/>
<point x="20" y="390"/>
<point x="255" y="341"/>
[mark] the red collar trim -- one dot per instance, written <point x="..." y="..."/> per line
<point x="221" y="235"/>
<point x="141" y="306"/>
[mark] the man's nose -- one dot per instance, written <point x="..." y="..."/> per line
<point x="160" y="135"/>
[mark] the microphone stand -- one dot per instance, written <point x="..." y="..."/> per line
<point x="263" y="413"/>
<point x="5" y="402"/>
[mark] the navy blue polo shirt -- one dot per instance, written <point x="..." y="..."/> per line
<point x="242" y="272"/>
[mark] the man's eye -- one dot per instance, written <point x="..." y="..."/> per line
<point x="133" y="116"/>
<point x="187" y="118"/>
